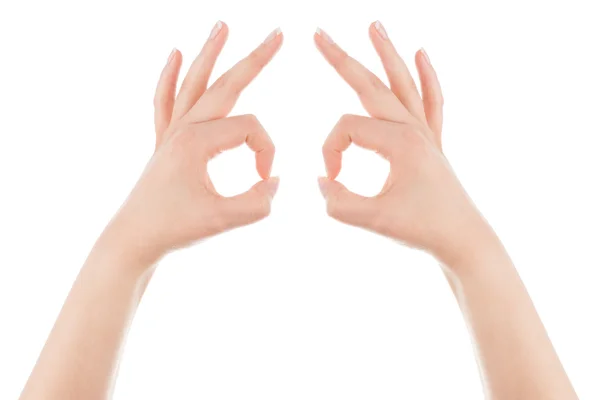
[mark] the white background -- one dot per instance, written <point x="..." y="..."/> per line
<point x="299" y="306"/>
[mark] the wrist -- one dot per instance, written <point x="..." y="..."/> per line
<point x="476" y="249"/>
<point x="121" y="246"/>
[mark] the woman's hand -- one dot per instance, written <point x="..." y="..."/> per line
<point x="422" y="203"/>
<point x="174" y="203"/>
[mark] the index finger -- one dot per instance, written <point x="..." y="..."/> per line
<point x="379" y="101"/>
<point x="371" y="134"/>
<point x="228" y="133"/>
<point x="221" y="97"/>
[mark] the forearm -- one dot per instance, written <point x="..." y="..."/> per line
<point x="516" y="357"/>
<point x="80" y="357"/>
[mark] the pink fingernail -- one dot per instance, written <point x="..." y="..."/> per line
<point x="215" y="30"/>
<point x="273" y="35"/>
<point x="323" y="186"/>
<point x="324" y="35"/>
<point x="381" y="30"/>
<point x="171" y="56"/>
<point x="272" y="186"/>
<point x="426" y="56"/>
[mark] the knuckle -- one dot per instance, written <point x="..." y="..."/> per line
<point x="182" y="140"/>
<point x="327" y="148"/>
<point x="413" y="140"/>
<point x="257" y="60"/>
<point x="269" y="147"/>
<point x="221" y="83"/>
<point x="226" y="84"/>
<point x="376" y="84"/>
<point x="413" y="84"/>
<point x="340" y="61"/>
<point x="347" y="118"/>
<point x="250" y="120"/>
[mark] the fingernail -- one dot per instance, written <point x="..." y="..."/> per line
<point x="272" y="186"/>
<point x="273" y="35"/>
<point x="323" y="186"/>
<point x="215" y="30"/>
<point x="324" y="35"/>
<point x="171" y="56"/>
<point x="381" y="30"/>
<point x="426" y="56"/>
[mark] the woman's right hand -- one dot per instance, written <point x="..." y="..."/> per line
<point x="422" y="203"/>
<point x="174" y="202"/>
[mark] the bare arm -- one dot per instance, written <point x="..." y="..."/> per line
<point x="173" y="204"/>
<point x="515" y="355"/>
<point x="424" y="205"/>
<point x="81" y="354"/>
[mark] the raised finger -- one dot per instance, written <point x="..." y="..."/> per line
<point x="401" y="82"/>
<point x="433" y="100"/>
<point x="219" y="99"/>
<point x="195" y="82"/>
<point x="164" y="97"/>
<point x="376" y="97"/>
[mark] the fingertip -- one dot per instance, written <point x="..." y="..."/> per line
<point x="177" y="58"/>
<point x="272" y="185"/>
<point x="333" y="170"/>
<point x="373" y="32"/>
<point x="171" y="56"/>
<point x="333" y="162"/>
<point x="173" y="61"/>
<point x="421" y="57"/>
<point x="317" y="40"/>
<point x="223" y="35"/>
<point x="264" y="163"/>
<point x="322" y="38"/>
<point x="378" y="31"/>
<point x="225" y="27"/>
<point x="274" y="39"/>
<point x="323" y="185"/>
<point x="250" y="206"/>
<point x="218" y="32"/>
<point x="170" y="72"/>
<point x="264" y="191"/>
<point x="277" y="44"/>
<point x="264" y="172"/>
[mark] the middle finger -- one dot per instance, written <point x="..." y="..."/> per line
<point x="376" y="97"/>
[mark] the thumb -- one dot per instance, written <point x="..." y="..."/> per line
<point x="346" y="206"/>
<point x="250" y="206"/>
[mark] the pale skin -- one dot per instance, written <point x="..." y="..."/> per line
<point x="174" y="204"/>
<point x="424" y="205"/>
